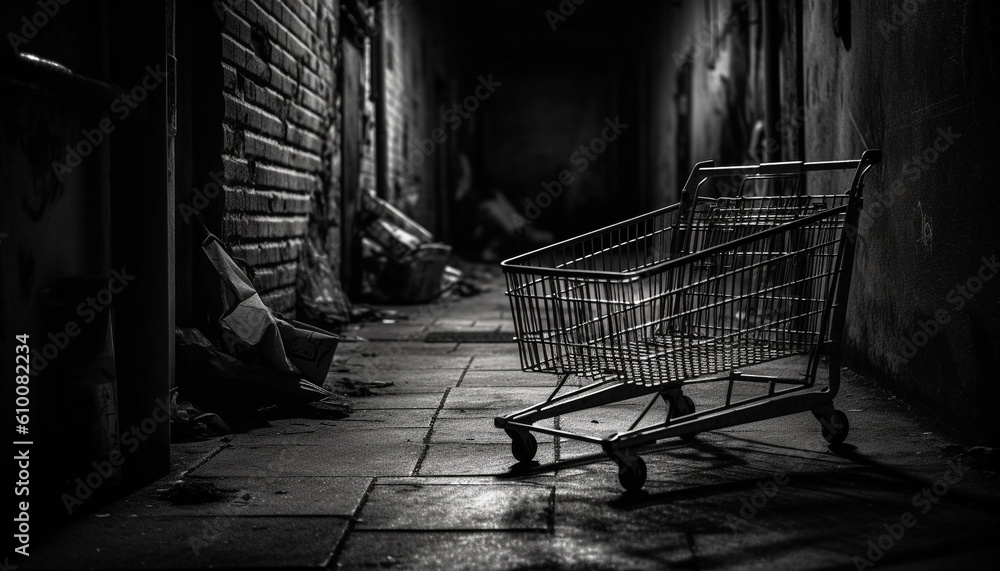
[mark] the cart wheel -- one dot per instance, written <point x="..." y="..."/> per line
<point x="523" y="445"/>
<point x="686" y="408"/>
<point x="835" y="427"/>
<point x="633" y="477"/>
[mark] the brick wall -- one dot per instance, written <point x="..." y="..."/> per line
<point x="406" y="107"/>
<point x="279" y="84"/>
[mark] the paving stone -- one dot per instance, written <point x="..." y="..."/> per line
<point x="391" y="361"/>
<point x="487" y="550"/>
<point x="122" y="542"/>
<point x="495" y="323"/>
<point x="259" y="496"/>
<point x="290" y="431"/>
<point x="183" y="455"/>
<point x="481" y="378"/>
<point x="461" y="459"/>
<point x="430" y="506"/>
<point x="484" y="350"/>
<point x="408" y="400"/>
<point x="691" y="513"/>
<point x="400" y="331"/>
<point x="377" y="419"/>
<point x="401" y="348"/>
<point x="495" y="398"/>
<point x="448" y="322"/>
<point x="352" y="455"/>
<point x="474" y="430"/>
<point x="402" y="380"/>
<point x="496" y="363"/>
<point x="321" y="432"/>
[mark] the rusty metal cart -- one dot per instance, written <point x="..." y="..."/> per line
<point x="673" y="298"/>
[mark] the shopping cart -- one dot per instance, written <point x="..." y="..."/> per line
<point x="670" y="299"/>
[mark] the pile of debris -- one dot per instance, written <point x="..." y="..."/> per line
<point x="402" y="262"/>
<point x="253" y="363"/>
<point x="259" y="362"/>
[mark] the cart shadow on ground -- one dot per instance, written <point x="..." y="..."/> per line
<point x="827" y="510"/>
<point x="856" y="478"/>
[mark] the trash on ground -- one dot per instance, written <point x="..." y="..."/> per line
<point x="188" y="422"/>
<point x="333" y="407"/>
<point x="233" y="389"/>
<point x="322" y="302"/>
<point x="402" y="263"/>
<point x="251" y="330"/>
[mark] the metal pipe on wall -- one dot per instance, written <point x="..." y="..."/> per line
<point x="378" y="90"/>
<point x="772" y="79"/>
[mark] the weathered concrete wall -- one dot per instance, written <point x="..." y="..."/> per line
<point x="920" y="81"/>
<point x="916" y="79"/>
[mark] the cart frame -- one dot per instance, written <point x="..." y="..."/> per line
<point x="594" y="305"/>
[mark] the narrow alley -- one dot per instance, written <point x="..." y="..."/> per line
<point x="508" y="285"/>
<point x="417" y="477"/>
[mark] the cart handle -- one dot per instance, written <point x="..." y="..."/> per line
<point x="689" y="194"/>
<point x="686" y="259"/>
<point x="869" y="157"/>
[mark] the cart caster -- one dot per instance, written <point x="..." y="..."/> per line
<point x="682" y="408"/>
<point x="835" y="427"/>
<point x="633" y="477"/>
<point x="522" y="445"/>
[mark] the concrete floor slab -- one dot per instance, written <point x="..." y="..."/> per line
<point x="377" y="419"/>
<point x="496" y="362"/>
<point x="488" y="349"/>
<point x="352" y="455"/>
<point x="473" y="430"/>
<point x="432" y="461"/>
<point x="504" y="379"/>
<point x="122" y="542"/>
<point x="451" y="506"/>
<point x="401" y="331"/>
<point x="495" y="398"/>
<point x="390" y="361"/>
<point x="380" y="400"/>
<point x="461" y="459"/>
<point x="255" y="496"/>
<point x="492" y="550"/>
